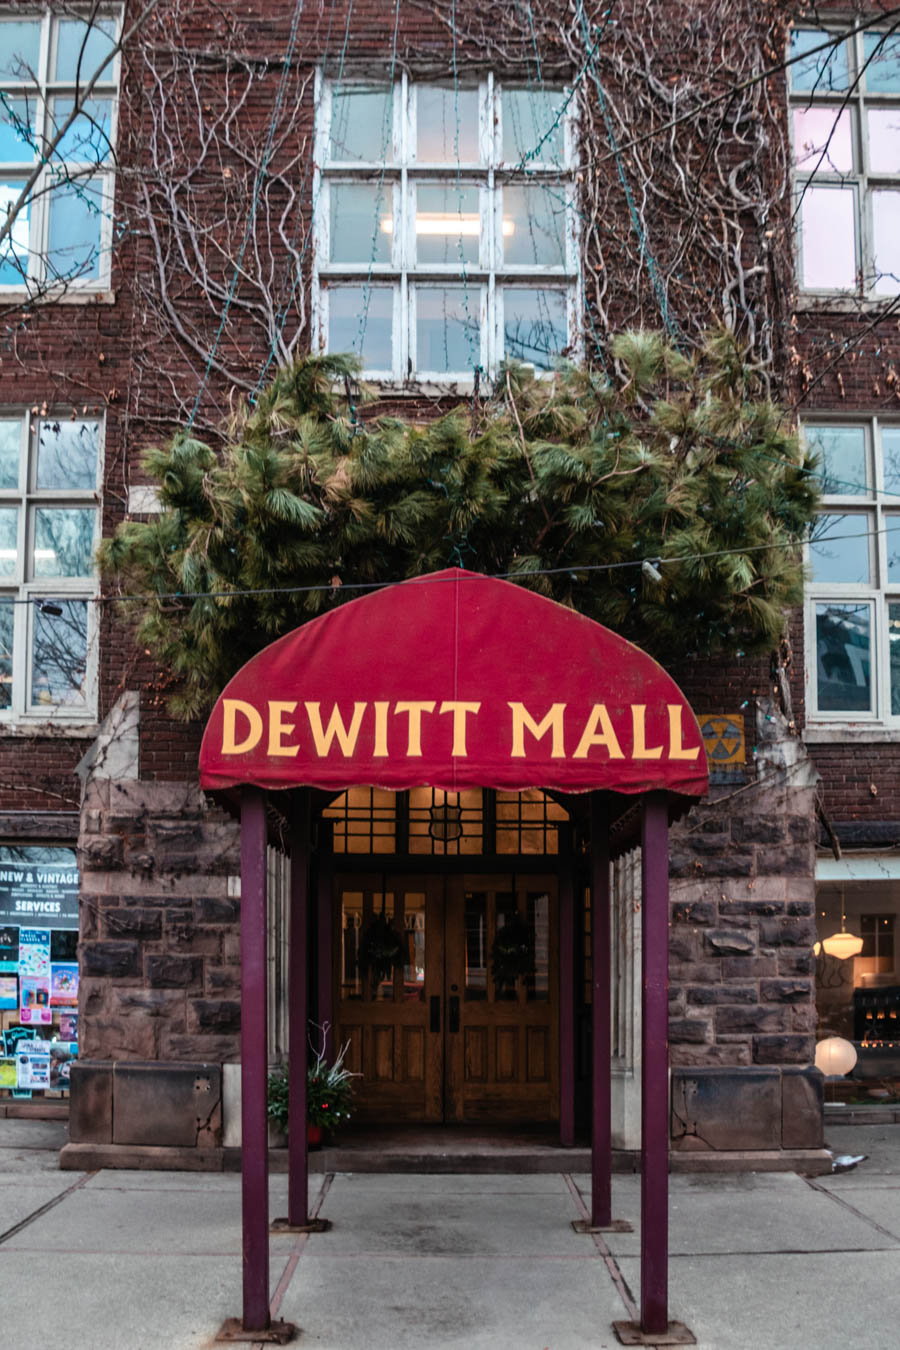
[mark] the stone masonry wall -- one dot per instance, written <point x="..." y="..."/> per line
<point x="159" y="941"/>
<point x="742" y="887"/>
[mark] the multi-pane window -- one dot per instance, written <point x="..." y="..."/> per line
<point x="62" y="235"/>
<point x="853" y="592"/>
<point x="49" y="529"/>
<point x="845" y="122"/>
<point x="445" y="227"/>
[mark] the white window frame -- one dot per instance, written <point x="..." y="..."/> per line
<point x="861" y="179"/>
<point x="872" y="507"/>
<point x="27" y="590"/>
<point x="485" y="279"/>
<point x="44" y="91"/>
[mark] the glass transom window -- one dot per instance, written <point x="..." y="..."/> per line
<point x="845" y="124"/>
<point x="853" y="589"/>
<point x="445" y="231"/>
<point x="49" y="529"/>
<point x="62" y="235"/>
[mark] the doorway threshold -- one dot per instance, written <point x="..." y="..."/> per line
<point x="454" y="1148"/>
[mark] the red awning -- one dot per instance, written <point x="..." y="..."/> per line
<point x="454" y="680"/>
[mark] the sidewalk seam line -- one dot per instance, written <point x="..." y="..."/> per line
<point x="839" y="1200"/>
<point x="51" y="1204"/>
<point x="295" y="1253"/>
<point x="612" y="1265"/>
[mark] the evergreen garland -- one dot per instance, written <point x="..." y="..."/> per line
<point x="512" y="952"/>
<point x="677" y="455"/>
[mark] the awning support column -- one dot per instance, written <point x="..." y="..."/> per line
<point x="655" y="1065"/>
<point x="324" y="941"/>
<point x="601" y="1098"/>
<point x="254" y="1062"/>
<point x="298" y="1160"/>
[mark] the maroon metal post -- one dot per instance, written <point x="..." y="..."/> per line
<point x="601" y="1093"/>
<point x="566" y="1008"/>
<point x="298" y="1016"/>
<point x="254" y="1062"/>
<point x="655" y="1065"/>
<point x="325" y="885"/>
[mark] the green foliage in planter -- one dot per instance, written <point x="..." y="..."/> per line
<point x="329" y="1093"/>
<point x="678" y="458"/>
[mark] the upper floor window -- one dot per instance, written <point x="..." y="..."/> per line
<point x="445" y="227"/>
<point x="853" y="593"/>
<point x="845" y="121"/>
<point x="63" y="233"/>
<point x="49" y="529"/>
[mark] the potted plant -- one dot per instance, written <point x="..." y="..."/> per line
<point x="329" y="1094"/>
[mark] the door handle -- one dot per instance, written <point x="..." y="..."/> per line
<point x="454" y="1013"/>
<point x="435" y="1013"/>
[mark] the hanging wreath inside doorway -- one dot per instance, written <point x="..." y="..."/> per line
<point x="512" y="952"/>
<point x="380" y="948"/>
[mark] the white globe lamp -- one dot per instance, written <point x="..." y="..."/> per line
<point x="835" y="1056"/>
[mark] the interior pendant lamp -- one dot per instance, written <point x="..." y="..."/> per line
<point x="843" y="944"/>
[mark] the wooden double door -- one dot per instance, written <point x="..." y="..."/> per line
<point x="438" y="1038"/>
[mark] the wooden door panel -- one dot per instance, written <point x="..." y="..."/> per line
<point x="503" y="1063"/>
<point x="386" y="1022"/>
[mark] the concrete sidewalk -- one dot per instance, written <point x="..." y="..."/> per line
<point x="151" y="1260"/>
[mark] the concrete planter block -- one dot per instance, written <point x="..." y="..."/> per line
<point x="91" y="1102"/>
<point x="168" y="1105"/>
<point x="725" y="1108"/>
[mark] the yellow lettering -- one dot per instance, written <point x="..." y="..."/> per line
<point x="676" y="743"/>
<point x="606" y="736"/>
<point x="414" y="713"/>
<point x="523" y="721"/>
<point x="459" y="711"/>
<point x="381" y="712"/>
<point x="638" y="720"/>
<point x="279" y="729"/>
<point x="230" y="709"/>
<point x="346" y="736"/>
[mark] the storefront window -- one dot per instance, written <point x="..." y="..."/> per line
<point x="38" y="968"/>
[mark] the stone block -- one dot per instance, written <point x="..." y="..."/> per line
<point x="690" y="1030"/>
<point x="729" y="942"/>
<point x="800" y="909"/>
<point x="115" y="959"/>
<point x="734" y="1053"/>
<point x="733" y="862"/>
<point x="792" y="860"/>
<point x="751" y="1020"/>
<point x="787" y="1049"/>
<point x="801" y="829"/>
<point x="167" y="1005"/>
<point x="725" y="1108"/>
<point x="756" y="830"/>
<point x="787" y="933"/>
<point x="751" y="909"/>
<point x="698" y="972"/>
<point x="213" y="909"/>
<point x="748" y="967"/>
<point x="188" y="937"/>
<point x="173" y="972"/>
<point x="804" y="1017"/>
<point x="173" y="1046"/>
<point x="222" y="979"/>
<point x="100" y="852"/>
<point x="694" y="911"/>
<point x="116" y="1037"/>
<point x="683" y="946"/>
<point x="793" y="962"/>
<point x="90" y="1102"/>
<point x="133" y="922"/>
<point x="706" y="995"/>
<point x="214" y="1014"/>
<point x="784" y="991"/>
<point x="168" y="1105"/>
<point x="802" y="1108"/>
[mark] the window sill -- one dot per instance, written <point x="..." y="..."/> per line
<point x="840" y="303"/>
<point x="18" y="297"/>
<point x="850" y="733"/>
<point x="47" y="727"/>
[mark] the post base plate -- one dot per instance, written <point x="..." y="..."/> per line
<point x="630" y="1333"/>
<point x="314" y="1226"/>
<point x="276" y="1333"/>
<point x="614" y="1226"/>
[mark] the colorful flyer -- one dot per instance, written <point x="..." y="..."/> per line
<point x="8" y="1073"/>
<point x="68" y="1026"/>
<point x="35" y="1000"/>
<point x="64" y="984"/>
<point x="61" y="1055"/>
<point x="9" y="991"/>
<point x="34" y="951"/>
<point x="32" y="1071"/>
<point x="9" y="950"/>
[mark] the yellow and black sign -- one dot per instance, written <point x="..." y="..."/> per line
<point x="723" y="736"/>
